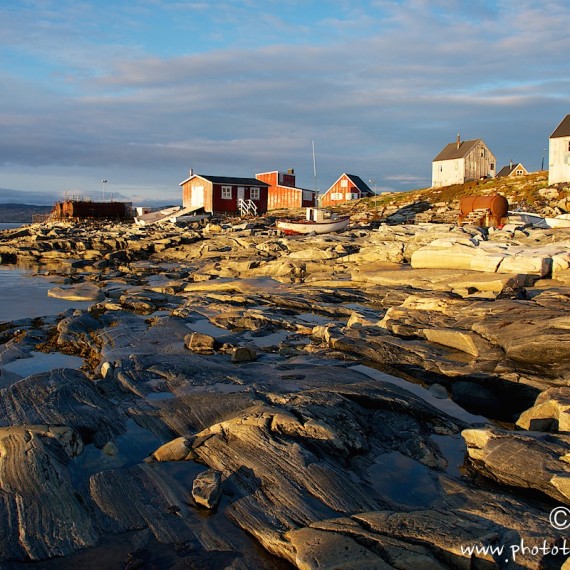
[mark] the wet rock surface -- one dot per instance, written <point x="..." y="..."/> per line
<point x="328" y="402"/>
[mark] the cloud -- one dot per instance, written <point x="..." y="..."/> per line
<point x="380" y="86"/>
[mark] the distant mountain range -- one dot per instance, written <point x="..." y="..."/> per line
<point x="21" y="212"/>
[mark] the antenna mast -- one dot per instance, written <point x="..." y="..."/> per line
<point x="314" y="167"/>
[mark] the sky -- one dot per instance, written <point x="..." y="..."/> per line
<point x="138" y="92"/>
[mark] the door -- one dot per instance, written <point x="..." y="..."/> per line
<point x="197" y="200"/>
<point x="240" y="193"/>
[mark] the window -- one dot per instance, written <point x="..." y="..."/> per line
<point x="226" y="192"/>
<point x="568" y="146"/>
<point x="254" y="193"/>
<point x="344" y="183"/>
<point x="352" y="195"/>
<point x="518" y="172"/>
<point x="336" y="196"/>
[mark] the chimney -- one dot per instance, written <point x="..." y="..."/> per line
<point x="291" y="171"/>
<point x="458" y="140"/>
<point x="511" y="164"/>
<point x="191" y="173"/>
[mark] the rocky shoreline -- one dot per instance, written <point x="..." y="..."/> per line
<point x="381" y="398"/>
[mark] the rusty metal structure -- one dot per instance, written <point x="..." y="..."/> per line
<point x="86" y="209"/>
<point x="484" y="211"/>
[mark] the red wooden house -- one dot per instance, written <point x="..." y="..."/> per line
<point x="347" y="187"/>
<point x="283" y="193"/>
<point x="224" y="194"/>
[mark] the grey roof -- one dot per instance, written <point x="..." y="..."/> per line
<point x="506" y="170"/>
<point x="232" y="180"/>
<point x="563" y="129"/>
<point x="451" y="152"/>
<point x="360" y="184"/>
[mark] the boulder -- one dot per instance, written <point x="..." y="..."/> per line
<point x="550" y="413"/>
<point x="179" y="449"/>
<point x="199" y="342"/>
<point x="243" y="354"/>
<point x="207" y="488"/>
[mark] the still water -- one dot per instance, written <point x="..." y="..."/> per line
<point x="10" y="225"/>
<point x="24" y="295"/>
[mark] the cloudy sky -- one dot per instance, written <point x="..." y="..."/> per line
<point x="138" y="92"/>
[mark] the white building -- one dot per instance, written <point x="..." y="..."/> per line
<point x="461" y="161"/>
<point x="559" y="153"/>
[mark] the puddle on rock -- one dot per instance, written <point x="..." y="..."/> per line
<point x="160" y="396"/>
<point x="220" y="387"/>
<point x="264" y="341"/>
<point x="131" y="448"/>
<point x="315" y="319"/>
<point x="42" y="362"/>
<point x="453" y="448"/>
<point x="448" y="406"/>
<point x="204" y="326"/>
<point x="403" y="480"/>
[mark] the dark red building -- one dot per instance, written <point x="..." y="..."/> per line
<point x="224" y="195"/>
<point x="83" y="209"/>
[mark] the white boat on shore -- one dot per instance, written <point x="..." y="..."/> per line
<point x="155" y="217"/>
<point x="317" y="221"/>
<point x="173" y="214"/>
<point x="561" y="221"/>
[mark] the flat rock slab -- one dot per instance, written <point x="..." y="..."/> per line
<point x="81" y="292"/>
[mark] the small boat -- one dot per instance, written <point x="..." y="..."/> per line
<point x="173" y="214"/>
<point x="155" y="217"/>
<point x="561" y="221"/>
<point x="527" y="218"/>
<point x="317" y="221"/>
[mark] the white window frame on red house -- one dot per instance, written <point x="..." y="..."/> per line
<point x="226" y="192"/>
<point x="352" y="196"/>
<point x="254" y="193"/>
<point x="336" y="195"/>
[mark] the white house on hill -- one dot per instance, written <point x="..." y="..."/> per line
<point x="461" y="161"/>
<point x="559" y="153"/>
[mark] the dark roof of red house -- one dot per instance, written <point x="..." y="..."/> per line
<point x="230" y="180"/>
<point x="360" y="184"/>
<point x="452" y="151"/>
<point x="233" y="180"/>
<point x="563" y="129"/>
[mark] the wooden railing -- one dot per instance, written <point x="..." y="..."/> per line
<point x="247" y="207"/>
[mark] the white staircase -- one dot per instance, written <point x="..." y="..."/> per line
<point x="247" y="207"/>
